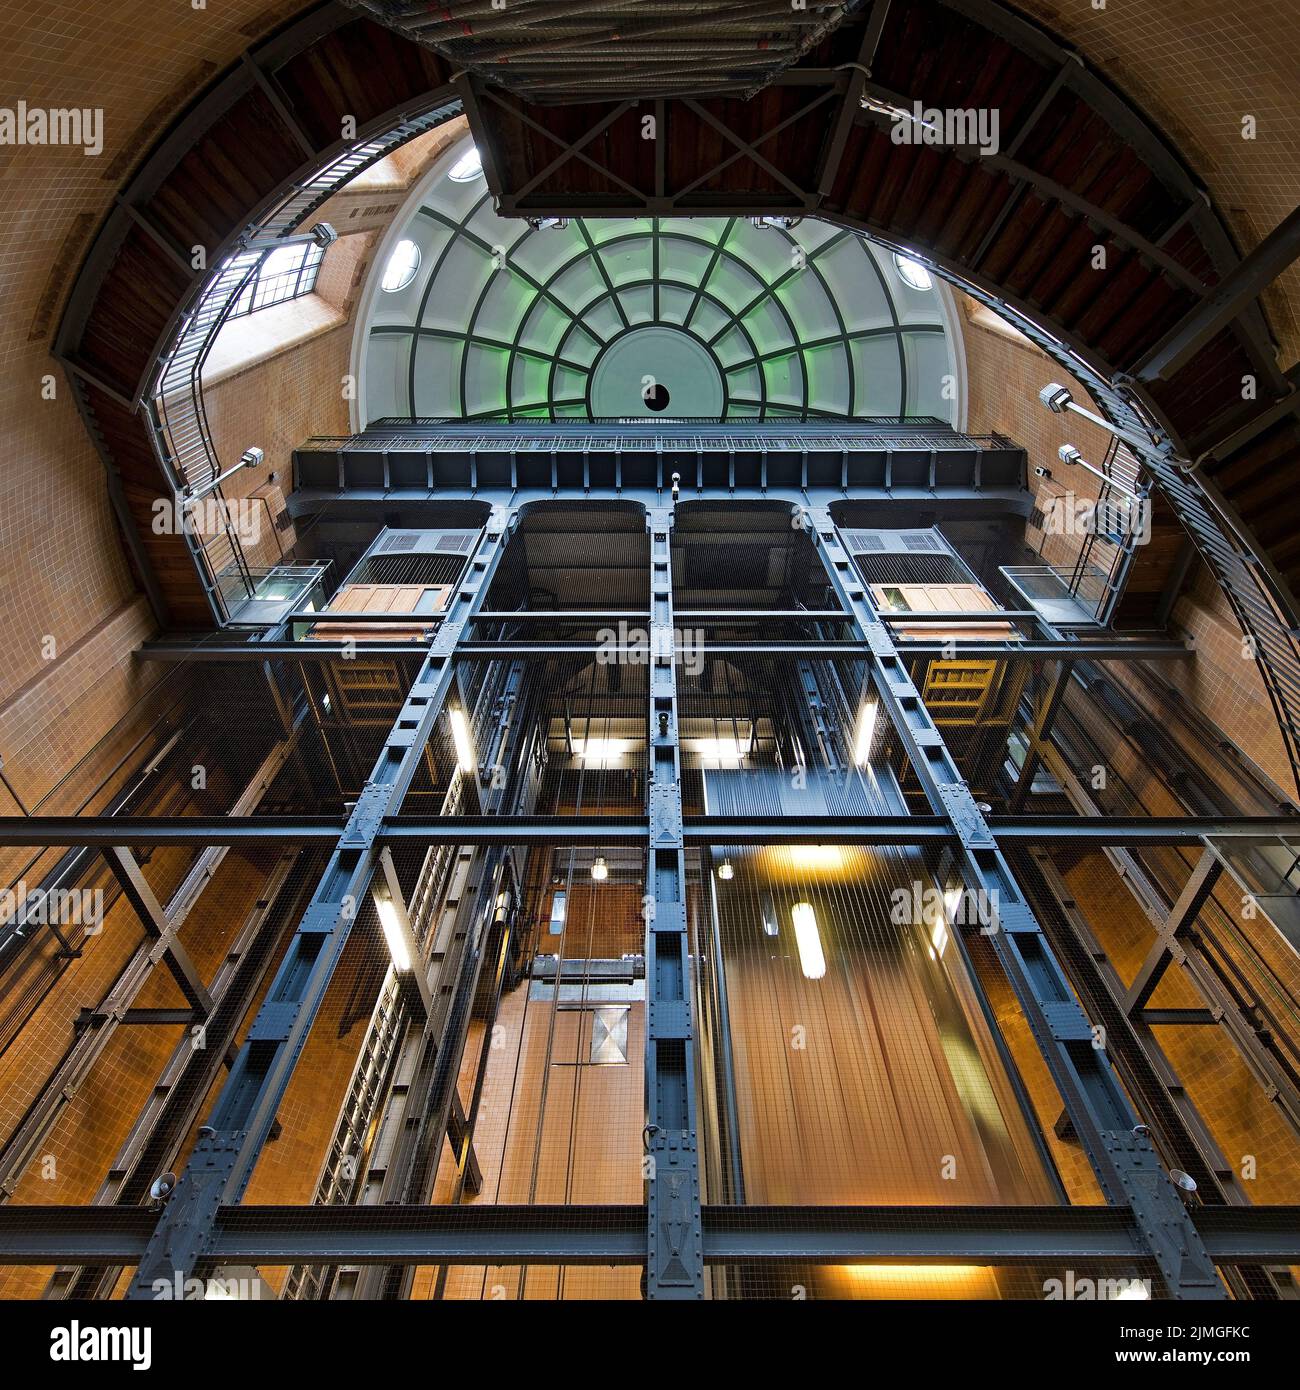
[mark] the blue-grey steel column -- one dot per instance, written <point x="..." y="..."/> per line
<point x="675" y="1264"/>
<point x="1127" y="1168"/>
<point x="228" y="1146"/>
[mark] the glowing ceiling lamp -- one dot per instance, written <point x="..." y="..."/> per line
<point x="816" y="857"/>
<point x="866" y="731"/>
<point x="393" y="934"/>
<point x="807" y="939"/>
<point x="465" y="758"/>
<point x="722" y="752"/>
<point x="725" y="871"/>
<point x="599" y="750"/>
<point x="600" y="870"/>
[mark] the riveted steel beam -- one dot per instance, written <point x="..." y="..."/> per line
<point x="1122" y="1158"/>
<point x="226" y="1152"/>
<point x="675" y="1253"/>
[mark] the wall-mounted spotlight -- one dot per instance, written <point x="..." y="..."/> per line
<point x="547" y="224"/>
<point x="1071" y="456"/>
<point x="1059" y="400"/>
<point x="1056" y="398"/>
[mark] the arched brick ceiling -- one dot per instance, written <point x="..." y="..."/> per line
<point x="298" y="106"/>
<point x="1194" y="65"/>
<point x="1197" y="67"/>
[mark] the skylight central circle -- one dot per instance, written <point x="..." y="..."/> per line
<point x="642" y="367"/>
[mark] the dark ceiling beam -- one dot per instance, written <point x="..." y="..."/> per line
<point x="1229" y="298"/>
<point x="153" y="917"/>
<point x="850" y="102"/>
<point x="1050" y="190"/>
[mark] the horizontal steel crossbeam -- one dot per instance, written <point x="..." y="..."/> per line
<point x="954" y="650"/>
<point x="1117" y="831"/>
<point x="609" y="1235"/>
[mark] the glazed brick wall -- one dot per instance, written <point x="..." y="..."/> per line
<point x="1003" y="378"/>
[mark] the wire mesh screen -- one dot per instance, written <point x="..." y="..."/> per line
<point x="480" y="1046"/>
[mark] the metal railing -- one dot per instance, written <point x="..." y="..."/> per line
<point x="1110" y="543"/>
<point x="174" y="403"/>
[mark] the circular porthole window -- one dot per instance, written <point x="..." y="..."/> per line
<point x="401" y="267"/>
<point x="467" y="168"/>
<point x="913" y="273"/>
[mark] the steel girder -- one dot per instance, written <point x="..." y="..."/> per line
<point x="1126" y="1166"/>
<point x="1099" y="830"/>
<point x="675" y="1260"/>
<point x="228" y="1147"/>
<point x="949" y="650"/>
<point x="1085" y="1236"/>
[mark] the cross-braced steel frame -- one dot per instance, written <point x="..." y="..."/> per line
<point x="676" y="1236"/>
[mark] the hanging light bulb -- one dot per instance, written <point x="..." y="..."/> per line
<point x="393" y="934"/>
<point x="725" y="871"/>
<point x="465" y="758"/>
<point x="812" y="959"/>
<point x="600" y="870"/>
<point x="866" y="730"/>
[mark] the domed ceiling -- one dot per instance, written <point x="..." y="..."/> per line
<point x="471" y="316"/>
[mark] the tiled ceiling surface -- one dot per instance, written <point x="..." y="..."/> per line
<point x="1197" y="68"/>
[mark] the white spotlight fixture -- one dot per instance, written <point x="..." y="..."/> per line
<point x="1056" y="398"/>
<point x="725" y="871"/>
<point x="465" y="758"/>
<point x="599" y="750"/>
<point x="866" y="731"/>
<point x="393" y="934"/>
<point x="807" y="939"/>
<point x="600" y="870"/>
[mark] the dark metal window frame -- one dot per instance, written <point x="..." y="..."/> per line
<point x="263" y="290"/>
